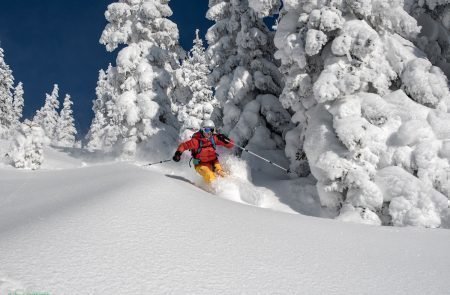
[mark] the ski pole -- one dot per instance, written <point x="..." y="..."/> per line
<point x="160" y="162"/>
<point x="264" y="159"/>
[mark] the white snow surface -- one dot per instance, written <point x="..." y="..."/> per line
<point x="119" y="228"/>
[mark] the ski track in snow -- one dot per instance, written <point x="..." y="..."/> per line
<point x="117" y="228"/>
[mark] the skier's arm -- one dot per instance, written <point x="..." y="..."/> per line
<point x="223" y="140"/>
<point x="191" y="144"/>
<point x="187" y="145"/>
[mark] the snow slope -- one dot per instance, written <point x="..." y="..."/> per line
<point x="118" y="228"/>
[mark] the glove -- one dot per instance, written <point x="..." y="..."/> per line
<point x="177" y="156"/>
<point x="223" y="138"/>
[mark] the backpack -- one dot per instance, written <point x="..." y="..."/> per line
<point x="194" y="159"/>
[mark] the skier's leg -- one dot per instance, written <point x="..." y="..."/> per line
<point x="218" y="169"/>
<point x="206" y="172"/>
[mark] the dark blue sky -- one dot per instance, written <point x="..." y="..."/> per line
<point x="56" y="41"/>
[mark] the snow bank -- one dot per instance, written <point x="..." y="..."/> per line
<point x="100" y="229"/>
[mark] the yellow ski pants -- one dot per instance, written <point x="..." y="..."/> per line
<point x="209" y="170"/>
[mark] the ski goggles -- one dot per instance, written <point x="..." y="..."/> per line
<point x="208" y="130"/>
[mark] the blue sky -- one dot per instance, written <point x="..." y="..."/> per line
<point x="56" y="41"/>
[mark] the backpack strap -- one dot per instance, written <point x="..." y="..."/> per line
<point x="194" y="153"/>
<point x="200" y="146"/>
<point x="213" y="142"/>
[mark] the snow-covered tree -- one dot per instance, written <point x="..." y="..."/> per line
<point x="434" y="39"/>
<point x="18" y="104"/>
<point x="96" y="133"/>
<point x="143" y="79"/>
<point x="365" y="101"/>
<point x="6" y="97"/>
<point x="27" y="149"/>
<point x="106" y="126"/>
<point x="47" y="116"/>
<point x="245" y="75"/>
<point x="194" y="74"/>
<point x="65" y="127"/>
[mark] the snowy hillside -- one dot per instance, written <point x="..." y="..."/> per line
<point x="120" y="228"/>
<point x="350" y="98"/>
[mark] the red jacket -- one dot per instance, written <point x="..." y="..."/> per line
<point x="207" y="152"/>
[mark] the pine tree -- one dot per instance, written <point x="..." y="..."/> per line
<point x="6" y="97"/>
<point x="18" y="104"/>
<point x="245" y="75"/>
<point x="65" y="127"/>
<point x="194" y="74"/>
<point x="96" y="132"/>
<point x="106" y="126"/>
<point x="27" y="149"/>
<point x="143" y="80"/>
<point x="369" y="110"/>
<point x="47" y="116"/>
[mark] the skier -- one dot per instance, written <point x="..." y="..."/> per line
<point x="203" y="149"/>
